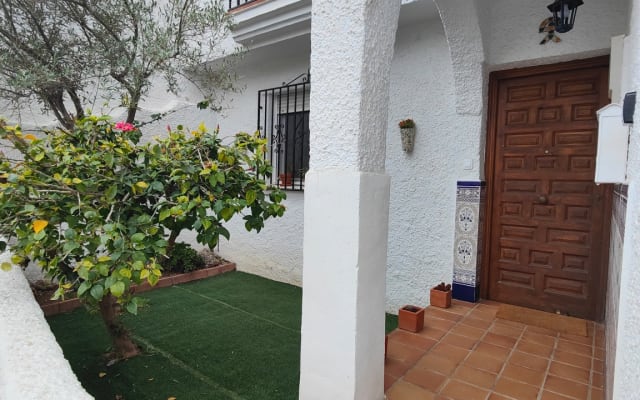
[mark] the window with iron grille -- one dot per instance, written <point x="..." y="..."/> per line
<point x="283" y="118"/>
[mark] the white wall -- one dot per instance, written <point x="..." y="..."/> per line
<point x="627" y="348"/>
<point x="32" y="366"/>
<point x="275" y="252"/>
<point x="511" y="35"/>
<point x="423" y="183"/>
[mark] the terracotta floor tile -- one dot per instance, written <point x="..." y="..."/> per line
<point x="477" y="322"/>
<point x="463" y="303"/>
<point x="539" y="338"/>
<point x="577" y="348"/>
<point x="389" y="380"/>
<point x="546" y="395"/>
<point x="412" y="339"/>
<point x="599" y="353"/>
<point x="587" y="340"/>
<point x="515" y="389"/>
<point x="600" y="335"/>
<point x="432" y="333"/>
<point x="566" y="387"/>
<point x="459" y="341"/>
<point x="529" y="360"/>
<point x="468" y="331"/>
<point x="597" y="380"/>
<point x="505" y="330"/>
<point x="523" y="374"/>
<point x="572" y="359"/>
<point x="437" y="363"/>
<point x="507" y="322"/>
<point x="399" y="351"/>
<point x="406" y="391"/>
<point x="433" y="312"/>
<point x="598" y="366"/>
<point x="465" y="353"/>
<point x="459" y="308"/>
<point x="482" y="313"/>
<point x="597" y="394"/>
<point x="534" y="348"/>
<point x="459" y="390"/>
<point x="542" y="331"/>
<point x="437" y="323"/>
<point x="425" y="379"/>
<point x="496" y="396"/>
<point x="449" y="351"/>
<point x="483" y="362"/>
<point x="499" y="340"/>
<point x="567" y="371"/>
<point x="395" y="367"/>
<point x="497" y="352"/>
<point x="475" y="376"/>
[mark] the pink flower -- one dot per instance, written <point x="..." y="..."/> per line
<point x="124" y="126"/>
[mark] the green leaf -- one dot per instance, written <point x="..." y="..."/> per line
<point x="125" y="273"/>
<point x="164" y="214"/>
<point x="117" y="289"/>
<point x="103" y="269"/>
<point x="111" y="192"/>
<point x="83" y="272"/>
<point x="97" y="291"/>
<point x="5" y="266"/>
<point x="227" y="213"/>
<point x="39" y="236"/>
<point x="132" y="308"/>
<point x="250" y="197"/>
<point x="84" y="286"/>
<point x="224" y="232"/>
<point x="137" y="237"/>
<point x="153" y="279"/>
<point x="157" y="186"/>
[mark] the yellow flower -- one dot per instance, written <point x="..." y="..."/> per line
<point x="39" y="224"/>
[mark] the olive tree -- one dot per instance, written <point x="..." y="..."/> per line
<point x="97" y="211"/>
<point x="68" y="55"/>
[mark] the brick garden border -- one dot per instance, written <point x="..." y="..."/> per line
<point x="64" y="306"/>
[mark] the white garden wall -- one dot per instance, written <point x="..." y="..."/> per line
<point x="32" y="366"/>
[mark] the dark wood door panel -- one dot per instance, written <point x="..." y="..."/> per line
<point x="547" y="216"/>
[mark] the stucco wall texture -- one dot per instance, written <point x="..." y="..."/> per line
<point x="448" y="136"/>
<point x="32" y="366"/>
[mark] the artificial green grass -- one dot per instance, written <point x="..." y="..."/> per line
<point x="235" y="336"/>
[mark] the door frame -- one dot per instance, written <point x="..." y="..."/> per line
<point x="492" y="121"/>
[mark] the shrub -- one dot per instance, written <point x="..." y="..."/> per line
<point x="183" y="258"/>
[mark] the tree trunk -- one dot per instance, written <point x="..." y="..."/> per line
<point x="123" y="346"/>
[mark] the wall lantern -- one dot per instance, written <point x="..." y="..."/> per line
<point x="564" y="14"/>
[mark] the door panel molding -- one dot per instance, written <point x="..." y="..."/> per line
<point x="574" y="137"/>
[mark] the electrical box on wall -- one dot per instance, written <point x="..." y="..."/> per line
<point x="613" y="146"/>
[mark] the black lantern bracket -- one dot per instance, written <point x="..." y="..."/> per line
<point x="564" y="14"/>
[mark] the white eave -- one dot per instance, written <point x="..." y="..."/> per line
<point x="270" y="21"/>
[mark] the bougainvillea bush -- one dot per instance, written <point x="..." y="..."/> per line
<point x="98" y="211"/>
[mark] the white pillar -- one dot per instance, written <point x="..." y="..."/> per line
<point x="346" y="201"/>
<point x="627" y="364"/>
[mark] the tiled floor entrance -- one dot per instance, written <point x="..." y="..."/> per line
<point x="465" y="353"/>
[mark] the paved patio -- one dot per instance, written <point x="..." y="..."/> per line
<point x="466" y="353"/>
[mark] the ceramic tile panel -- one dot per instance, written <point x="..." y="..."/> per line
<point x="470" y="197"/>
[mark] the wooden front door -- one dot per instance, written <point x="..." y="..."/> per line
<point x="548" y="232"/>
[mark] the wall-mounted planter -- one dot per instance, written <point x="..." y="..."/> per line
<point x="411" y="318"/>
<point x="440" y="296"/>
<point x="408" y="136"/>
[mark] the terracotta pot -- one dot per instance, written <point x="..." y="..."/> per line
<point x="440" y="296"/>
<point x="411" y="318"/>
<point x="286" y="179"/>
